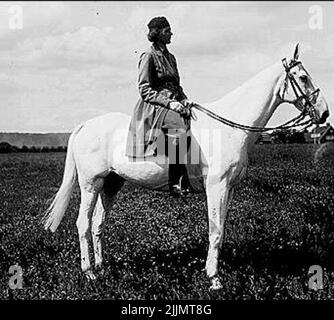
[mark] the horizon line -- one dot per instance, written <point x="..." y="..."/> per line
<point x="35" y="132"/>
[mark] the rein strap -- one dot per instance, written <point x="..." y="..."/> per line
<point x="287" y="125"/>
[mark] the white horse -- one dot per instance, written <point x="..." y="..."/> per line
<point x="96" y="156"/>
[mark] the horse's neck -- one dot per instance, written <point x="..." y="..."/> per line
<point x="253" y="103"/>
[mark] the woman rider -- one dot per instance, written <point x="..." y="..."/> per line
<point x="162" y="106"/>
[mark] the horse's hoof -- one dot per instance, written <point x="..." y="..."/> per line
<point x="90" y="275"/>
<point x="215" y="284"/>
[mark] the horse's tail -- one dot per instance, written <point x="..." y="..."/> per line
<point x="57" y="208"/>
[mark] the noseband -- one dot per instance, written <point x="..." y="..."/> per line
<point x="307" y="107"/>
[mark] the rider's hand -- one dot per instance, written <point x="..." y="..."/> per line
<point x="188" y="103"/>
<point x="178" y="107"/>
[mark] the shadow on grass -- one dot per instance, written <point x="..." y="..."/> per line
<point x="278" y="260"/>
<point x="184" y="261"/>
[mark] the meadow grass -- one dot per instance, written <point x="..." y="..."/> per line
<point x="280" y="223"/>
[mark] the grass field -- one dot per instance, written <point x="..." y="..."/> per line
<point x="281" y="222"/>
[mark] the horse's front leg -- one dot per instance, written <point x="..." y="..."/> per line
<point x="218" y="194"/>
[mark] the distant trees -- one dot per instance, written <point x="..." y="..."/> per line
<point x="297" y="137"/>
<point x="283" y="136"/>
<point x="6" y="147"/>
<point x="288" y="136"/>
<point x="24" y="149"/>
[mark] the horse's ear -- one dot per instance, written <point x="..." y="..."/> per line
<point x="296" y="54"/>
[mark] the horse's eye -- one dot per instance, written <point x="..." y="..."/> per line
<point x="303" y="78"/>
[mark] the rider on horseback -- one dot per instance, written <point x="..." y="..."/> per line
<point x="162" y="108"/>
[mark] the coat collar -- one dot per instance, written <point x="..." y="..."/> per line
<point x="165" y="56"/>
<point x="158" y="51"/>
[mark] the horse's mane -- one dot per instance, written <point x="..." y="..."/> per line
<point x="256" y="83"/>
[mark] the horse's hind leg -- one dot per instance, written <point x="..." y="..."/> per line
<point x="97" y="228"/>
<point x="112" y="184"/>
<point x="89" y="196"/>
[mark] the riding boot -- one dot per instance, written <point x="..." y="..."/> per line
<point x="177" y="173"/>
<point x="178" y="180"/>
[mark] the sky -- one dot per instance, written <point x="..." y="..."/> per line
<point x="62" y="63"/>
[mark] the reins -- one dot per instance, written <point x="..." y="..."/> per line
<point x="287" y="125"/>
<point x="293" y="123"/>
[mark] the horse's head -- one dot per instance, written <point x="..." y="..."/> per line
<point x="300" y="90"/>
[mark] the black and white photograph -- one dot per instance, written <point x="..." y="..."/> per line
<point x="167" y="151"/>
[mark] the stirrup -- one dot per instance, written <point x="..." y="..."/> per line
<point x="177" y="190"/>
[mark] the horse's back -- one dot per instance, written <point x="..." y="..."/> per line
<point x="104" y="127"/>
<point x="109" y="121"/>
<point x="101" y="133"/>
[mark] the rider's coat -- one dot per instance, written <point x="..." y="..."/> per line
<point x="159" y="84"/>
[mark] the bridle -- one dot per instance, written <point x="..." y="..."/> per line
<point x="302" y="102"/>
<point x="307" y="107"/>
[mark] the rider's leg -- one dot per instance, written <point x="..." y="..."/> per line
<point x="176" y="130"/>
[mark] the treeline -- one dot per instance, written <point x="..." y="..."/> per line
<point x="289" y="136"/>
<point x="284" y="136"/>
<point x="8" y="148"/>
